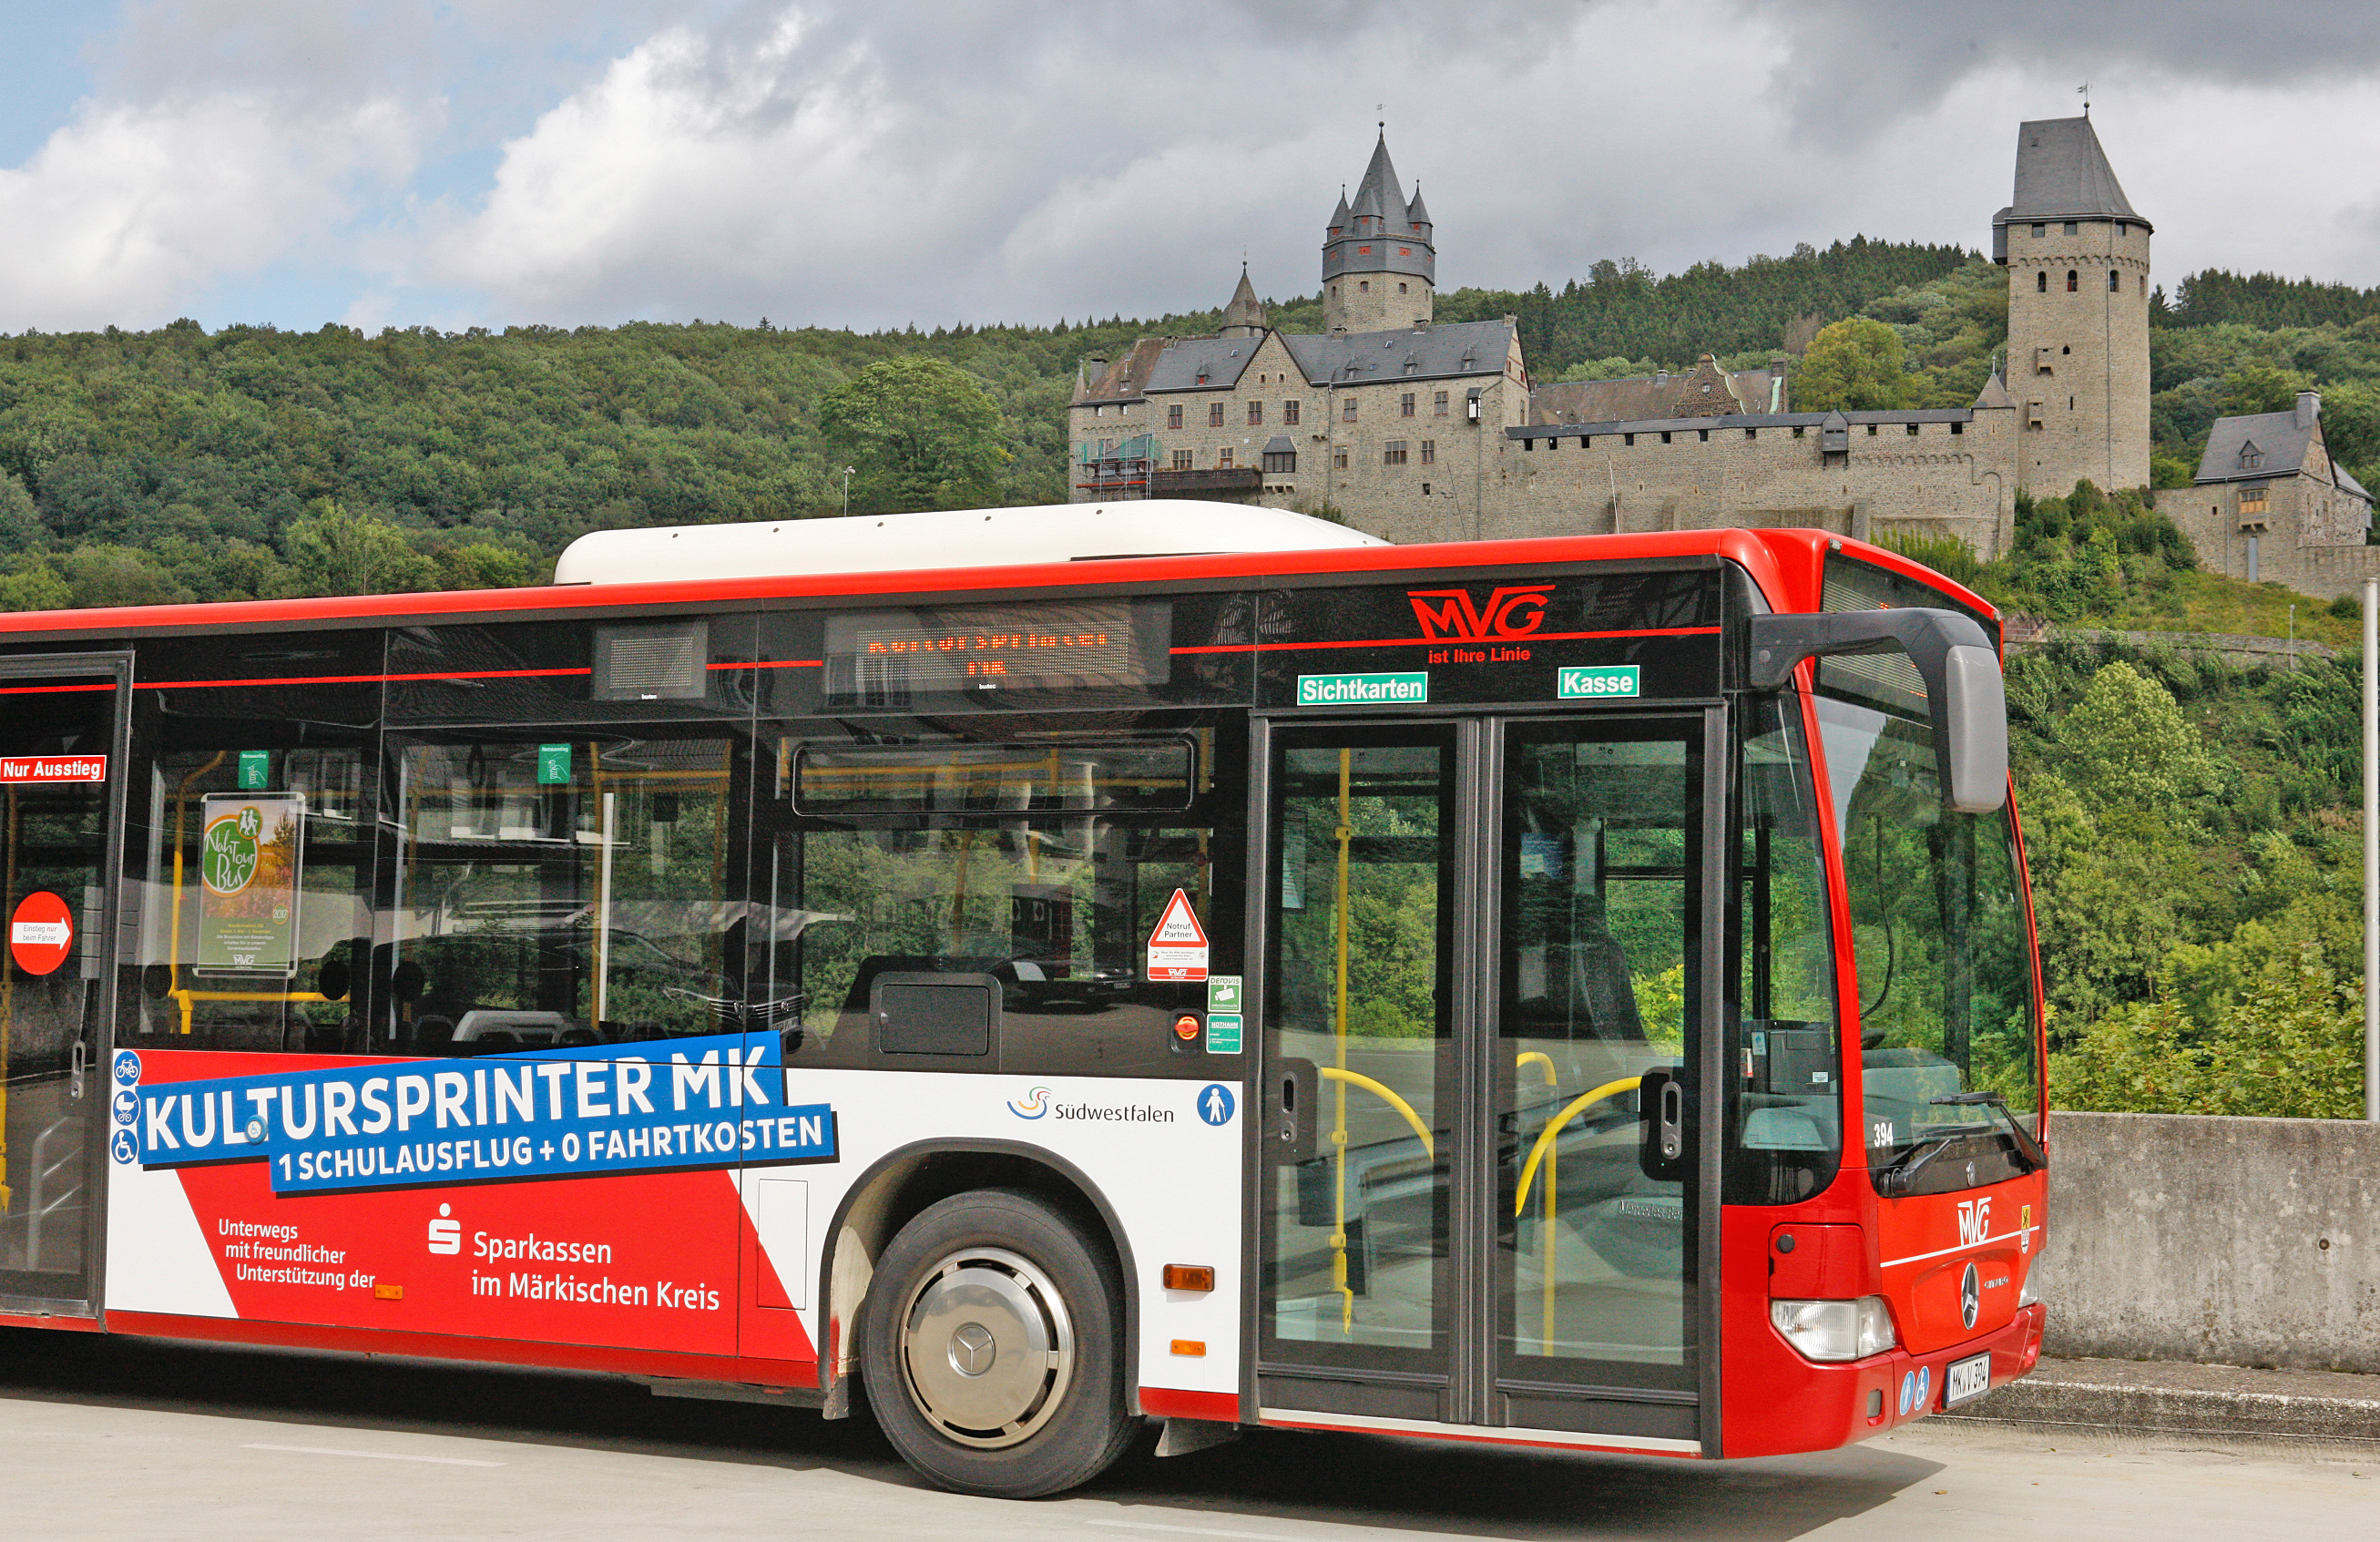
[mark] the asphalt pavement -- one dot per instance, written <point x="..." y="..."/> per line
<point x="111" y="1439"/>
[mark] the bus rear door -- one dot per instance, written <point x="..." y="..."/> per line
<point x="59" y="755"/>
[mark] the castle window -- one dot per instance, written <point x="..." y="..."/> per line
<point x="1628" y="440"/>
<point x="1256" y="415"/>
<point x="1871" y="431"/>
<point x="1665" y="436"/>
<point x="1438" y="405"/>
<point x="1393" y="453"/>
<point x="1748" y="433"/>
<point x="1958" y="427"/>
<point x="1182" y="460"/>
<point x="2251" y="459"/>
<point x="1363" y="286"/>
<point x="2070" y="284"/>
<point x="1401" y="288"/>
<point x="2039" y="231"/>
<point x="1339" y="458"/>
<point x="2122" y="230"/>
<point x="2041" y="283"/>
<point x="1289" y="413"/>
<point x="1797" y="430"/>
<point x="1214" y="414"/>
<point x="1173" y="416"/>
<point x="1280" y="462"/>
<point x="2254" y="500"/>
<point x="2073" y="228"/>
<point x="2114" y="281"/>
<point x="1405" y="405"/>
<point x="1429" y="452"/>
<point x="1346" y="410"/>
<point x="1702" y="436"/>
<point x="1224" y="458"/>
<point x="1912" y="431"/>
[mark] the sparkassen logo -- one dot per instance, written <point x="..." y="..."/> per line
<point x="1033" y="1104"/>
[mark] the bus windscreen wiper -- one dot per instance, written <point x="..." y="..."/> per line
<point x="1894" y="1178"/>
<point x="1983" y="1098"/>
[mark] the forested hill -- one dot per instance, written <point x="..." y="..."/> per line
<point x="250" y="462"/>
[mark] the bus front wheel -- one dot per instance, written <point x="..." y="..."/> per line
<point x="992" y="1349"/>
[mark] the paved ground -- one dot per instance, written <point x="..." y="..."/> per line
<point x="103" y="1440"/>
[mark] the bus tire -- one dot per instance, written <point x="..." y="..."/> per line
<point x="993" y="1348"/>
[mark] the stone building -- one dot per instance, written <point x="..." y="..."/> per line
<point x="1417" y="431"/>
<point x="2077" y="256"/>
<point x="2269" y="504"/>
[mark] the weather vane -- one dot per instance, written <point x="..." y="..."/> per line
<point x="2083" y="90"/>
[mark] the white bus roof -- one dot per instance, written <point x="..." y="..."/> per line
<point x="944" y="537"/>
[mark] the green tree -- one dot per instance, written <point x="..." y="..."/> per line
<point x="32" y="584"/>
<point x="919" y="433"/>
<point x="1856" y="365"/>
<point x="120" y="576"/>
<point x="2127" y="746"/>
<point x="336" y="551"/>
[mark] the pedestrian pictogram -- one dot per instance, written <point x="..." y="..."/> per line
<point x="1177" y="949"/>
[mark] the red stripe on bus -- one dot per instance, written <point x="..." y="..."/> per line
<point x="776" y="663"/>
<point x="1173" y="1402"/>
<point x="39" y="690"/>
<point x="1452" y="642"/>
<point x="358" y="679"/>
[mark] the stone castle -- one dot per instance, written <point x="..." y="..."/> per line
<point x="1417" y="431"/>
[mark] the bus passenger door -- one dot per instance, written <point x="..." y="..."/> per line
<point x="1597" y="973"/>
<point x="1482" y="981"/>
<point x="59" y="761"/>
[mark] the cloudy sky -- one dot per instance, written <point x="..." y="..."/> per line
<point x="872" y="164"/>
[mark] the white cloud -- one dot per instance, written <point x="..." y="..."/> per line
<point x="131" y="213"/>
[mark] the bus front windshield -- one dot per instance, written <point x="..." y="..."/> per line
<point x="1945" y="995"/>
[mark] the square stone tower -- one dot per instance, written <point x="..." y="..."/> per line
<point x="2077" y="256"/>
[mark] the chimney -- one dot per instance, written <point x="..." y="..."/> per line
<point x="2309" y="408"/>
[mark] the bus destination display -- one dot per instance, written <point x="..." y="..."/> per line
<point x="1086" y="643"/>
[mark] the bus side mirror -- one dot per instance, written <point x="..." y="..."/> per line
<point x="1962" y="672"/>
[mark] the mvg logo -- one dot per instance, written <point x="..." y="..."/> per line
<point x="1448" y="614"/>
<point x="1975" y="1221"/>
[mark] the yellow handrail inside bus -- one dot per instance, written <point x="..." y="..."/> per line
<point x="1346" y="834"/>
<point x="1544" y="1064"/>
<point x="1553" y="1126"/>
<point x="186" y="997"/>
<point x="1387" y="1095"/>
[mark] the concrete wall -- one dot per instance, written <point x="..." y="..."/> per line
<point x="2250" y="1242"/>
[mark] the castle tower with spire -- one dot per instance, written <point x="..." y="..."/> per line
<point x="1379" y="270"/>
<point x="1244" y="316"/>
<point x="2077" y="255"/>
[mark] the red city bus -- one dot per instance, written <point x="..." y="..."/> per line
<point x="1575" y="992"/>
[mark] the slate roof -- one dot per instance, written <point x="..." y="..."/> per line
<point x="1993" y="394"/>
<point x="1408" y="353"/>
<point x="1649" y="396"/>
<point x="1126" y="378"/>
<point x="1742" y="421"/>
<point x="1245" y="309"/>
<point x="2279" y="435"/>
<point x="1221" y="359"/>
<point x="2062" y="174"/>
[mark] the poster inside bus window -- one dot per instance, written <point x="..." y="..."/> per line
<point x="248" y="862"/>
<point x="876" y="655"/>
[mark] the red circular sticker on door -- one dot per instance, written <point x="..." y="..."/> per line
<point x="42" y="933"/>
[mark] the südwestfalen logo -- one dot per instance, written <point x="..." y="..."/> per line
<point x="1451" y="615"/>
<point x="1033" y="1104"/>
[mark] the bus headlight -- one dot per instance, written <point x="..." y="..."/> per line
<point x="1834" y="1329"/>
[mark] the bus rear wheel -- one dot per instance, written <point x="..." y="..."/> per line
<point x="992" y="1349"/>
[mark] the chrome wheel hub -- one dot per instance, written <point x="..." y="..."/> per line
<point x="987" y="1348"/>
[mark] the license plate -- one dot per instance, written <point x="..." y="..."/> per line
<point x="1971" y="1378"/>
